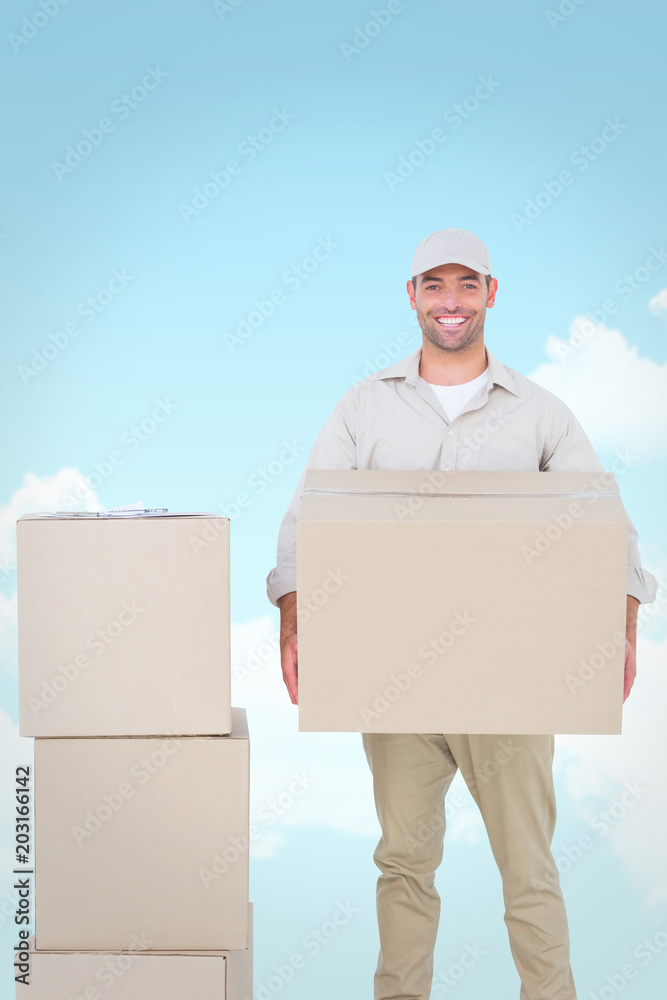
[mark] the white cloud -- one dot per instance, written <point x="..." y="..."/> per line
<point x="37" y="493"/>
<point x="8" y="633"/>
<point x="658" y="304"/>
<point x="619" y="397"/>
<point x="596" y="770"/>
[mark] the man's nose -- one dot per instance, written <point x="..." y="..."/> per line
<point x="450" y="302"/>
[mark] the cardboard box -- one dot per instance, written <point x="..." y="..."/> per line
<point x="461" y="602"/>
<point x="142" y="835"/>
<point x="135" y="974"/>
<point x="123" y="626"/>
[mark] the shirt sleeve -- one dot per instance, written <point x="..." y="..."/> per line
<point x="568" y="449"/>
<point x="334" y="448"/>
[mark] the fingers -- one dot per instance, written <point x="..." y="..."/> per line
<point x="294" y="679"/>
<point x="630" y="672"/>
<point x="290" y="670"/>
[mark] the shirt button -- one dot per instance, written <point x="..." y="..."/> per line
<point x="450" y="433"/>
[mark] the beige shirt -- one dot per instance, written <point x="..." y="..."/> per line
<point x="393" y="420"/>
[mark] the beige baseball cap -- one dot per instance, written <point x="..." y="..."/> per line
<point x="451" y="246"/>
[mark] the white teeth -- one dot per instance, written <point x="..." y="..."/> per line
<point x="446" y="321"/>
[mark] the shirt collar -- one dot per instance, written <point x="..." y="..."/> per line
<point x="408" y="368"/>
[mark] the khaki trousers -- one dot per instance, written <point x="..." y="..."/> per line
<point x="510" y="778"/>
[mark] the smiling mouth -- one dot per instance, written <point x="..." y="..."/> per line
<point x="451" y="321"/>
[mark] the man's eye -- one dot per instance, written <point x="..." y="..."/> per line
<point x="468" y="284"/>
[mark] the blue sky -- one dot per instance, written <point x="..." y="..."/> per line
<point x="129" y="271"/>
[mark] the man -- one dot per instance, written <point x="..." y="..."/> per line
<point x="451" y="405"/>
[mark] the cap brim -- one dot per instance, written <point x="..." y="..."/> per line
<point x="436" y="262"/>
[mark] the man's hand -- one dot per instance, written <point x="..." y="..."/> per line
<point x="630" y="645"/>
<point x="288" y="644"/>
<point x="630" y="668"/>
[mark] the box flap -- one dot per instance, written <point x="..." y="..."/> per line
<point x="436" y="482"/>
<point x="32" y="947"/>
<point x="239" y="723"/>
<point x="418" y="496"/>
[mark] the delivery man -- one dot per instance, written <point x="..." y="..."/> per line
<point x="451" y="405"/>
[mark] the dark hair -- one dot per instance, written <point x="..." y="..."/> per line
<point x="487" y="276"/>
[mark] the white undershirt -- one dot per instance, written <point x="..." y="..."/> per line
<point x="453" y="398"/>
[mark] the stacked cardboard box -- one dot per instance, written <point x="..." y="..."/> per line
<point x="141" y="975"/>
<point x="461" y="602"/>
<point x="141" y="762"/>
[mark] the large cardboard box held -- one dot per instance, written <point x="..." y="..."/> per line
<point x="461" y="602"/>
<point x="145" y="836"/>
<point x="135" y="974"/>
<point x="123" y="625"/>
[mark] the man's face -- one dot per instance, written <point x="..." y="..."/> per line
<point x="451" y="302"/>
